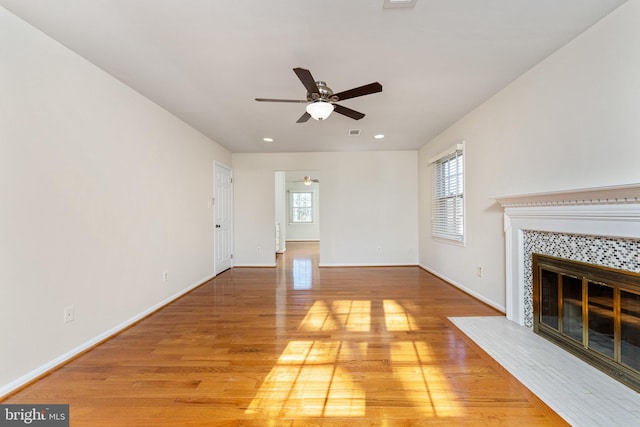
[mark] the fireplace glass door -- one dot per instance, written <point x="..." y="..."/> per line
<point x="549" y="303"/>
<point x="601" y="318"/>
<point x="571" y="307"/>
<point x="591" y="311"/>
<point x="630" y="329"/>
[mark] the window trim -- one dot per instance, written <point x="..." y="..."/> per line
<point x="442" y="228"/>
<point x="292" y="207"/>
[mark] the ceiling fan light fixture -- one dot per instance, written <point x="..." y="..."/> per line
<point x="398" y="4"/>
<point x="320" y="110"/>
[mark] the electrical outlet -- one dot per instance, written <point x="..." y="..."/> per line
<point x="69" y="314"/>
<point x="165" y="276"/>
<point x="479" y="271"/>
<point x="379" y="249"/>
<point x="259" y="249"/>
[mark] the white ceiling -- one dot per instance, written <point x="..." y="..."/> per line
<point x="206" y="60"/>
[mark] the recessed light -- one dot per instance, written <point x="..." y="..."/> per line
<point x="379" y="136"/>
<point x="267" y="139"/>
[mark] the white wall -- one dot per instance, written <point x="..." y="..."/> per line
<point x="369" y="201"/>
<point x="302" y="232"/>
<point x="102" y="191"/>
<point x="573" y="121"/>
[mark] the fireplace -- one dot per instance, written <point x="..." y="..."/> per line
<point x="591" y="311"/>
<point x="593" y="227"/>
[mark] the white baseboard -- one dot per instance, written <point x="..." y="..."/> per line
<point x="254" y="265"/>
<point x="63" y="358"/>
<point x="382" y="264"/>
<point x="465" y="289"/>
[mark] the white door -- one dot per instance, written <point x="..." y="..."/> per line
<point x="222" y="213"/>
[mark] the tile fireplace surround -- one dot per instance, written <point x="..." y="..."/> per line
<point x="594" y="225"/>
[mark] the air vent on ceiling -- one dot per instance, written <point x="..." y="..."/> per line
<point x="354" y="132"/>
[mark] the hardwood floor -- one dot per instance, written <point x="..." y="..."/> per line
<point x="297" y="345"/>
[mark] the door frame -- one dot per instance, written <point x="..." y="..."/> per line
<point x="229" y="209"/>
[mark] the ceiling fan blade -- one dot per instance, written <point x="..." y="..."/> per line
<point x="303" y="118"/>
<point x="359" y="91"/>
<point x="356" y="115"/>
<point x="281" y="100"/>
<point x="307" y="79"/>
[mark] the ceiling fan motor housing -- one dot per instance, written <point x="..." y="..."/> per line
<point x="324" y="93"/>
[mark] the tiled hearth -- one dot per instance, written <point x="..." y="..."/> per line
<point x="578" y="392"/>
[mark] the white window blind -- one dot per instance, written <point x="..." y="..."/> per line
<point x="448" y="195"/>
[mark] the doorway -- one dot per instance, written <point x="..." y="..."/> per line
<point x="297" y="203"/>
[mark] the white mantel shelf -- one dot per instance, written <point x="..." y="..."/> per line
<point x="619" y="194"/>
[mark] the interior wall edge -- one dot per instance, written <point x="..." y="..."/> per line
<point x="465" y="289"/>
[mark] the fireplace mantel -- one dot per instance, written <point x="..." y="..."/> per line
<point x="612" y="212"/>
<point x="620" y="194"/>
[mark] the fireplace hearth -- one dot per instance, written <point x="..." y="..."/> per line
<point x="592" y="311"/>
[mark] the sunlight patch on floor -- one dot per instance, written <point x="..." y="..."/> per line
<point x="306" y="382"/>
<point x="424" y="386"/>
<point x="397" y="318"/>
<point x="342" y="314"/>
<point x="314" y="378"/>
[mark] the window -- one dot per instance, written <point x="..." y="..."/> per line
<point x="301" y="207"/>
<point x="448" y="195"/>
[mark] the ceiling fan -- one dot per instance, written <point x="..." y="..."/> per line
<point x="322" y="101"/>
<point x="308" y="180"/>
